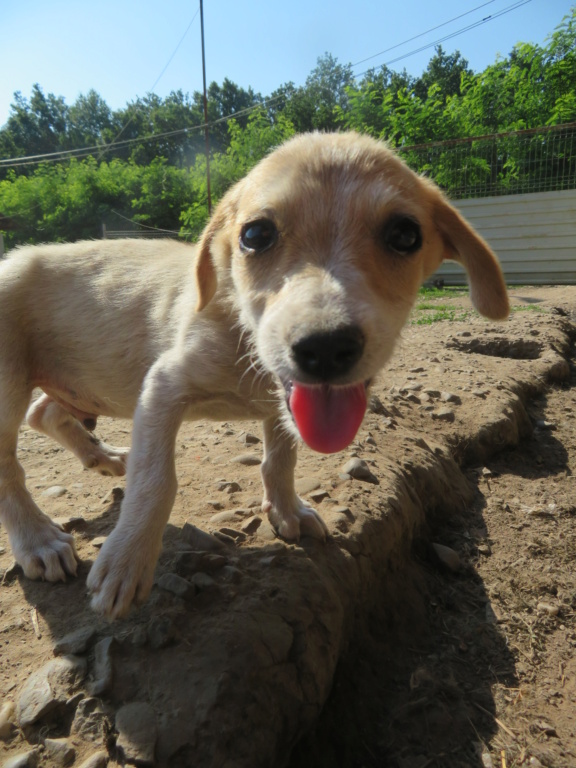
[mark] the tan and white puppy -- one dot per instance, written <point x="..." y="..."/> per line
<point x="285" y="311"/>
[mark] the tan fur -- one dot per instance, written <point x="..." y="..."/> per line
<point x="161" y="332"/>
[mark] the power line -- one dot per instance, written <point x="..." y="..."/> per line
<point x="410" y="39"/>
<point x="474" y="25"/>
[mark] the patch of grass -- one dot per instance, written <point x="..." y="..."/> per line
<point x="429" y="305"/>
<point x="430" y="292"/>
<point x="437" y="316"/>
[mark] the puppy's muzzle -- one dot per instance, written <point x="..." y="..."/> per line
<point x="327" y="356"/>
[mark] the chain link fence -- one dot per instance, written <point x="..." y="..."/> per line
<point x="512" y="163"/>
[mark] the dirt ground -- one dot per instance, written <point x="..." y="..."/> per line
<point x="454" y="665"/>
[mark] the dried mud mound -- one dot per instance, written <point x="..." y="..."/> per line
<point x="232" y="659"/>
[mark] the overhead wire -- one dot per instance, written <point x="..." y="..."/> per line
<point x="458" y="32"/>
<point x="427" y="32"/>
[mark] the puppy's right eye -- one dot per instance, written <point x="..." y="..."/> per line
<point x="258" y="236"/>
<point x="402" y="234"/>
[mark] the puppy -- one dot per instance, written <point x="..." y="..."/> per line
<point x="285" y="311"/>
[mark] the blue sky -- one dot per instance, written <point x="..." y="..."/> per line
<point x="121" y="48"/>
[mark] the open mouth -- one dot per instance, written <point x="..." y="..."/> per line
<point x="327" y="417"/>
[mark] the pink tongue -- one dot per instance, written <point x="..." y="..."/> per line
<point x="328" y="417"/>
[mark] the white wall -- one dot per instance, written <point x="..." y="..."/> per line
<point x="534" y="236"/>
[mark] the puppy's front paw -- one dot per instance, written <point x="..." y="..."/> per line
<point x="44" y="550"/>
<point x="296" y="520"/>
<point x="122" y="575"/>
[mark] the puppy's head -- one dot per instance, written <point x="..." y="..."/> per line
<point x="327" y="242"/>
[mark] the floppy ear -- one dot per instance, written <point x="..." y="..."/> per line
<point x="212" y="246"/>
<point x="206" y="280"/>
<point x="465" y="245"/>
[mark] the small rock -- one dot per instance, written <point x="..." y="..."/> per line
<point x="103" y="670"/>
<point x="98" y="542"/>
<point x="97" y="760"/>
<point x="484" y="549"/>
<point x="200" y="540"/>
<point x="551" y="610"/>
<point x="24" y="760"/>
<point x="229" y="487"/>
<point x="448" y="557"/>
<point x="266" y="531"/>
<point x="90" y="721"/>
<point x="229" y="541"/>
<point x="55" y="491"/>
<point x="319" y="495"/>
<point x="375" y="406"/>
<point x="251" y="525"/>
<point x="249" y="439"/>
<point x="306" y="485"/>
<point x="359" y="470"/>
<point x="411" y="388"/>
<point x="178" y="586"/>
<point x="60" y="751"/>
<point x="247" y="460"/>
<point x="113" y="496"/>
<point x="479" y="393"/>
<point x="70" y="523"/>
<point x="203" y="581"/>
<point x="215" y="503"/>
<point x="76" y="642"/>
<point x="449" y="397"/>
<point x="444" y="414"/>
<point x="225" y="517"/>
<point x="49" y="688"/>
<point x="545" y="425"/>
<point x="233" y="533"/>
<point x="7" y="720"/>
<point x="543" y="727"/>
<point x="137" y="733"/>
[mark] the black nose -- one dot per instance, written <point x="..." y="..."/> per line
<point x="325" y="356"/>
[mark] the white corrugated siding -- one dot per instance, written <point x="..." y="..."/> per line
<point x="533" y="235"/>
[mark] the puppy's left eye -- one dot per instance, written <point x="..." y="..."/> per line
<point x="403" y="235"/>
<point x="258" y="236"/>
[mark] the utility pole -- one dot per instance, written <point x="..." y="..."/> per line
<point x="206" y="132"/>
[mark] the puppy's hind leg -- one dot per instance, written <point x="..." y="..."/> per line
<point x="50" y="418"/>
<point x="286" y="511"/>
<point x="43" y="549"/>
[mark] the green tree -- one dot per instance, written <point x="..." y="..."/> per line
<point x="444" y="71"/>
<point x="35" y="126"/>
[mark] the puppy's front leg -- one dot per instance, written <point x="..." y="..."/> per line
<point x="124" y="570"/>
<point x="286" y="511"/>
